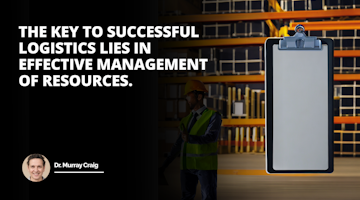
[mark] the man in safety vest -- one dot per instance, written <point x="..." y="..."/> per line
<point x="197" y="145"/>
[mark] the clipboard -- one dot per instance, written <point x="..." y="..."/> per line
<point x="299" y="118"/>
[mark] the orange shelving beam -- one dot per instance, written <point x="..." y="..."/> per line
<point x="215" y="79"/>
<point x="347" y="53"/>
<point x="213" y="42"/>
<point x="257" y="122"/>
<point x="346" y="77"/>
<point x="261" y="122"/>
<point x="243" y="122"/>
<point x="306" y="14"/>
<point x="236" y="42"/>
<point x="327" y="25"/>
<point x="346" y="120"/>
<point x="241" y="79"/>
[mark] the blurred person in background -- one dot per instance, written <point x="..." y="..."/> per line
<point x="197" y="145"/>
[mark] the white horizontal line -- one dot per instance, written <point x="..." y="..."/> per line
<point x="79" y="172"/>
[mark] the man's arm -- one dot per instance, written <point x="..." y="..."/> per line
<point x="175" y="150"/>
<point x="211" y="134"/>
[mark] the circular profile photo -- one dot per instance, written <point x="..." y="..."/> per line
<point x="36" y="167"/>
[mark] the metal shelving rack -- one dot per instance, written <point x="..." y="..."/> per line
<point x="292" y="15"/>
<point x="242" y="78"/>
<point x="279" y="15"/>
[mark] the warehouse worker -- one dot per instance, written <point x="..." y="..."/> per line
<point x="197" y="145"/>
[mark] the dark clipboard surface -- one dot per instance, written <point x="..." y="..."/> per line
<point x="269" y="108"/>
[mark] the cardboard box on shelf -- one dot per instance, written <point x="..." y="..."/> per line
<point x="239" y="108"/>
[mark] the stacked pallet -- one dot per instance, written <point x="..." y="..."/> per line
<point x="234" y="6"/>
<point x="235" y="30"/>
<point x="348" y="101"/>
<point x="347" y="140"/>
<point x="233" y="61"/>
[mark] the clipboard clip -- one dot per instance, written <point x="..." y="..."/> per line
<point x="300" y="41"/>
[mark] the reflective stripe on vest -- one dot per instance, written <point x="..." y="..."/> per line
<point x="199" y="156"/>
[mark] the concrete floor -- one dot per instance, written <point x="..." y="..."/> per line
<point x="343" y="183"/>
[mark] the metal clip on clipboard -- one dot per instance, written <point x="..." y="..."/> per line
<point x="300" y="41"/>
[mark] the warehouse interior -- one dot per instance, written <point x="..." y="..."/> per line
<point x="232" y="35"/>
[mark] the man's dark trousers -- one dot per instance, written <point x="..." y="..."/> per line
<point x="189" y="181"/>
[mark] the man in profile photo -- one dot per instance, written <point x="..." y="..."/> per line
<point x="36" y="166"/>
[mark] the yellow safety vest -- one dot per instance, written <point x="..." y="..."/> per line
<point x="199" y="156"/>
